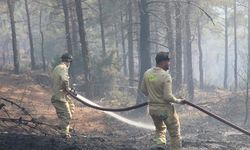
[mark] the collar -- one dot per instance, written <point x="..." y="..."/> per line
<point x="158" y="68"/>
<point x="62" y="63"/>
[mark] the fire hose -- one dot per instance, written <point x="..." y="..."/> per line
<point x="218" y="118"/>
<point x="75" y="96"/>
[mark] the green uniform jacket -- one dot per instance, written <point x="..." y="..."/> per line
<point x="157" y="84"/>
<point x="60" y="78"/>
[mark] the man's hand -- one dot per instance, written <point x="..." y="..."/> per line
<point x="180" y="101"/>
<point x="73" y="90"/>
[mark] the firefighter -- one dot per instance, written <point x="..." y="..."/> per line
<point x="63" y="104"/>
<point x="157" y="85"/>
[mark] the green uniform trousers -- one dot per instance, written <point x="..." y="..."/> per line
<point x="64" y="111"/>
<point x="163" y="119"/>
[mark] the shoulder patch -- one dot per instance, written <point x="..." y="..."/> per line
<point x="151" y="77"/>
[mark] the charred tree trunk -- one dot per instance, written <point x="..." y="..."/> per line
<point x="125" y="70"/>
<point x="3" y="60"/>
<point x="32" y="56"/>
<point x="185" y="70"/>
<point x="84" y="45"/>
<point x="178" y="46"/>
<point x="8" y="52"/>
<point x="200" y="53"/>
<point x="145" y="59"/>
<point x="11" y="5"/>
<point x="130" y="44"/>
<point x="102" y="29"/>
<point x="42" y="41"/>
<point x="66" y="22"/>
<point x="190" y="84"/>
<point x="68" y="36"/>
<point x="137" y="18"/>
<point x="74" y="30"/>
<point x="170" y="41"/>
<point x="226" y="48"/>
<point x="184" y="46"/>
<point x="116" y="40"/>
<point x="235" y="50"/>
<point x="248" y="67"/>
<point x="156" y="26"/>
<point x="75" y="43"/>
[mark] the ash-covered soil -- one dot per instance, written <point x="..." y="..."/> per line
<point x="93" y="130"/>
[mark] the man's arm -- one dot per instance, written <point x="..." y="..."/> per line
<point x="65" y="78"/>
<point x="144" y="87"/>
<point x="167" y="91"/>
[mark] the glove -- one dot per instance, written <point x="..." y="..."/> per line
<point x="72" y="90"/>
<point x="180" y="101"/>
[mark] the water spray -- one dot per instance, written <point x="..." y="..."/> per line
<point x="109" y="112"/>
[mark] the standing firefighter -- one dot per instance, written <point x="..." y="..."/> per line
<point x="157" y="84"/>
<point x="62" y="103"/>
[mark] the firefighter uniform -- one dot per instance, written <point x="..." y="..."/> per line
<point x="157" y="84"/>
<point x="62" y="103"/>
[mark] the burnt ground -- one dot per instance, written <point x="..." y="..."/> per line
<point x="93" y="130"/>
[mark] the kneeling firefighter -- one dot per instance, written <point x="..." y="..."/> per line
<point x="157" y="84"/>
<point x="60" y="100"/>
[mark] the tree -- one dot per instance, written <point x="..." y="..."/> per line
<point x="68" y="36"/>
<point x="83" y="42"/>
<point x="102" y="29"/>
<point x="170" y="39"/>
<point x="156" y="36"/>
<point x="144" y="52"/>
<point x="11" y="6"/>
<point x="66" y="23"/>
<point x="123" y="47"/>
<point x="248" y="68"/>
<point x="235" y="48"/>
<point x="226" y="48"/>
<point x="116" y="40"/>
<point x="178" y="45"/>
<point x="199" y="29"/>
<point x="184" y="50"/>
<point x="4" y="58"/>
<point x="137" y="30"/>
<point x="190" y="84"/>
<point x="32" y="56"/>
<point x="130" y="44"/>
<point x="74" y="30"/>
<point x="42" y="40"/>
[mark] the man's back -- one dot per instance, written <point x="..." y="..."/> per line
<point x="60" y="80"/>
<point x="157" y="83"/>
<point x="154" y="81"/>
